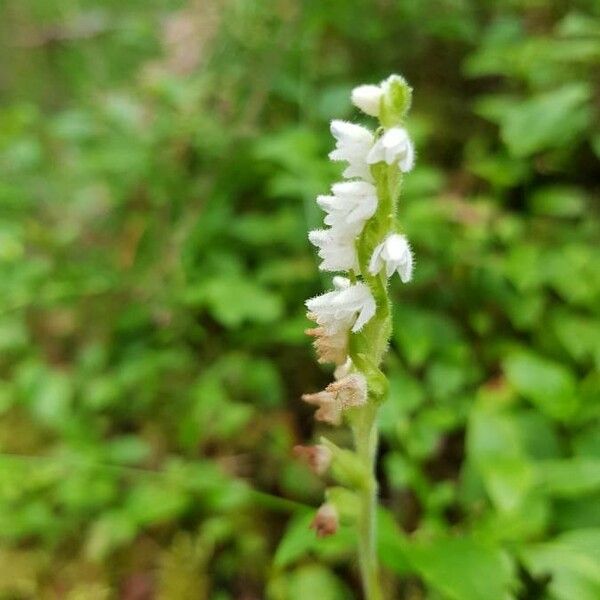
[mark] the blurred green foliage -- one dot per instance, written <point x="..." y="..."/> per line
<point x="159" y="163"/>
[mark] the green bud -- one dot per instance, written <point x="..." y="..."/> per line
<point x="395" y="101"/>
<point x="346" y="502"/>
<point x="346" y="467"/>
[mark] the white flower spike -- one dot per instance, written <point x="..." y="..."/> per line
<point x="357" y="212"/>
<point x="353" y="143"/>
<point x="394" y="146"/>
<point x="395" y="254"/>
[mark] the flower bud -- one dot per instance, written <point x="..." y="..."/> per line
<point x="367" y="98"/>
<point x="326" y="521"/>
<point x="395" y="102"/>
<point x="318" y="457"/>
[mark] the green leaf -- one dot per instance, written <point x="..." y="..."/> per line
<point x="52" y="398"/>
<point x="549" y="385"/>
<point x="308" y="581"/>
<point x="405" y="395"/>
<point x="569" y="477"/>
<point x="494" y="446"/>
<point x="419" y="332"/>
<point x="558" y="201"/>
<point x="459" y="568"/>
<point x="571" y="269"/>
<point x="549" y="120"/>
<point x="127" y="449"/>
<point x="153" y="503"/>
<point x="111" y="531"/>
<point x="573" y="562"/>
<point x="578" y="334"/>
<point x="392" y="544"/>
<point x="233" y="300"/>
<point x="537" y="434"/>
<point x="524" y="268"/>
<point x="465" y="569"/>
<point x="577" y="513"/>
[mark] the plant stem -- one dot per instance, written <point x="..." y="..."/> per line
<point x="366" y="440"/>
<point x="367" y="350"/>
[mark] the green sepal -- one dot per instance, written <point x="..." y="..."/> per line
<point x="395" y="103"/>
<point x="346" y="502"/>
<point x="346" y="467"/>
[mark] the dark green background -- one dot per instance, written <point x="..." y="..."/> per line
<point x="159" y="162"/>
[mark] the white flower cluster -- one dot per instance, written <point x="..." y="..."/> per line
<point x="347" y="209"/>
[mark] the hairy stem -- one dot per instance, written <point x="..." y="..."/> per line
<point x="367" y="351"/>
<point x="366" y="439"/>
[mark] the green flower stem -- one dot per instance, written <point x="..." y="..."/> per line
<point x="367" y="350"/>
<point x="366" y="440"/>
